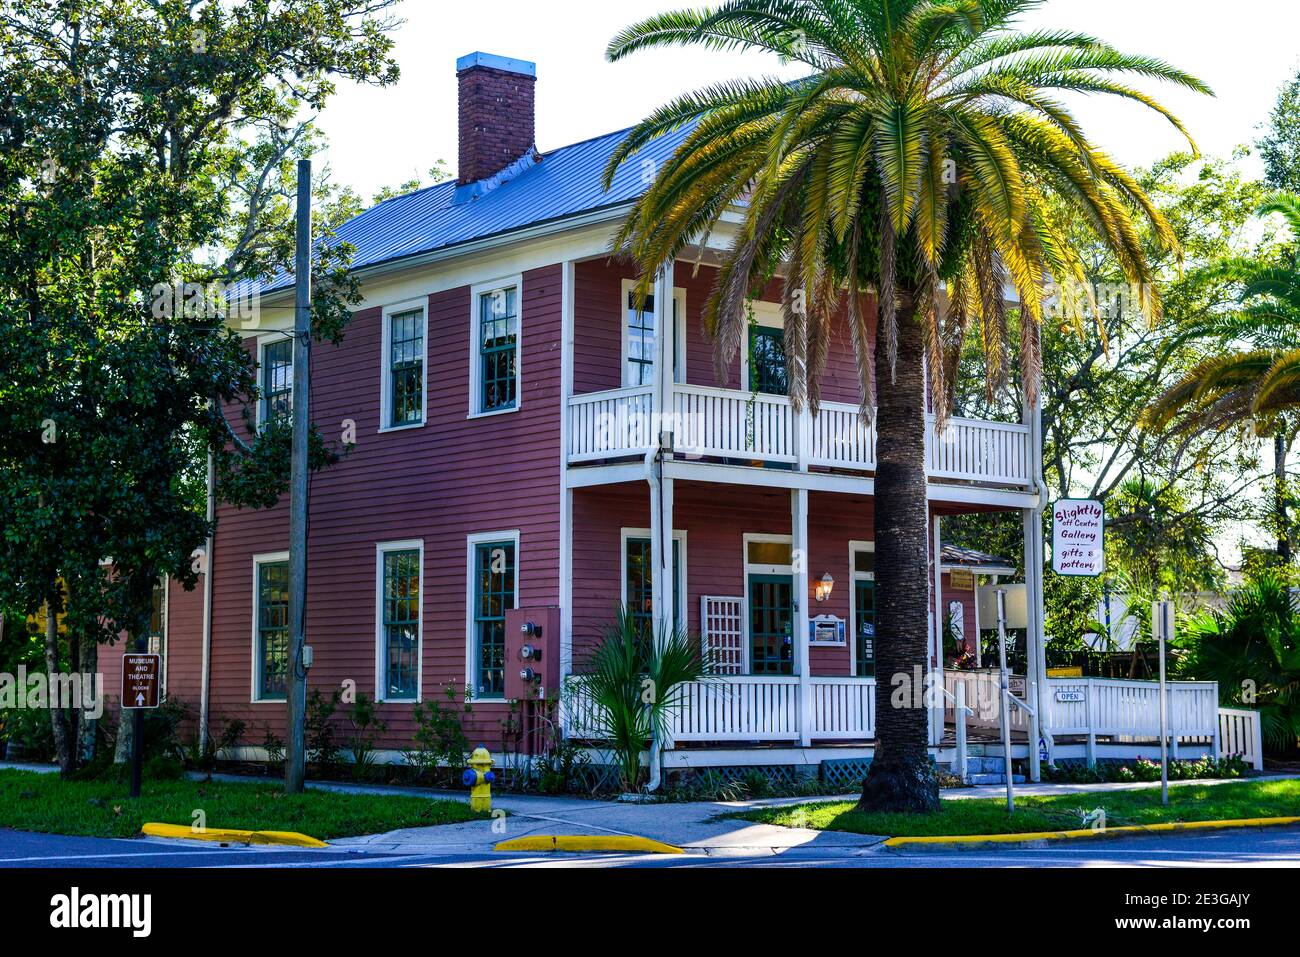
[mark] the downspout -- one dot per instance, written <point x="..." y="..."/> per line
<point x="207" y="609"/>
<point x="653" y="468"/>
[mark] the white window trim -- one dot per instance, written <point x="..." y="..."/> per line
<point x="765" y="314"/>
<point x="263" y="341"/>
<point x="679" y="333"/>
<point x="472" y="541"/>
<point x="385" y="366"/>
<point x="255" y="682"/>
<point x="381" y="660"/>
<point x="475" y="369"/>
<point x="856" y="576"/>
<point x="679" y="536"/>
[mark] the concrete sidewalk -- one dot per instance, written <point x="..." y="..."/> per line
<point x="697" y="828"/>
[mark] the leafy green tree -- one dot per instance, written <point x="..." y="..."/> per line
<point x="145" y="152"/>
<point x="926" y="149"/>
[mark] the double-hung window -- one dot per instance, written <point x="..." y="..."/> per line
<point x="638" y="578"/>
<point x="399" y="569"/>
<point x="277" y="379"/>
<point x="270" y="628"/>
<point x="404" y="367"/>
<point x="493" y="590"/>
<point x="495" y="346"/>
<point x="640" y="337"/>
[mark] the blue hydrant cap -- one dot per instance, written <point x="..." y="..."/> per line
<point x="470" y="777"/>
<point x="489" y="777"/>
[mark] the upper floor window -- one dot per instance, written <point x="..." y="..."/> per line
<point x="495" y="343"/>
<point x="277" y="379"/>
<point x="271" y="629"/>
<point x="404" y="367"/>
<point x="640" y="337"/>
<point x="399" y="621"/>
<point x="767" y="367"/>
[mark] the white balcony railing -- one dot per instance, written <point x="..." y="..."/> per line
<point x="728" y="423"/>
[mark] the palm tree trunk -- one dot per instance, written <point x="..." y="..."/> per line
<point x="901" y="776"/>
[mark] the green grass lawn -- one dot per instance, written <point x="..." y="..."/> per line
<point x="43" y="802"/>
<point x="1187" y="802"/>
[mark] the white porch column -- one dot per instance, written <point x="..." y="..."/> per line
<point x="663" y="365"/>
<point x="567" y="275"/>
<point x="938" y="616"/>
<point x="799" y="560"/>
<point x="1036" y="638"/>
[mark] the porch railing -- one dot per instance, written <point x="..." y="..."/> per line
<point x="747" y="708"/>
<point x="733" y="424"/>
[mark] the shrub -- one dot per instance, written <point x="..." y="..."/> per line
<point x="439" y="739"/>
<point x="366" y="724"/>
<point x="322" y="748"/>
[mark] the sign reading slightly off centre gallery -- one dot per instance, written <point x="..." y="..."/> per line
<point x="1078" y="537"/>
<point x="140" y="680"/>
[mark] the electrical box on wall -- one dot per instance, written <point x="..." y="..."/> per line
<point x="532" y="653"/>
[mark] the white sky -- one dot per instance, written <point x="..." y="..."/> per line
<point x="383" y="137"/>
<point x="1244" y="51"/>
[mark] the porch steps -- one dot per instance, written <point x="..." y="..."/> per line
<point x="989" y="770"/>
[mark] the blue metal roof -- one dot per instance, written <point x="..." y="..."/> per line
<point x="566" y="182"/>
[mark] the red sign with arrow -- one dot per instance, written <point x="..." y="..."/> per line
<point x="141" y="676"/>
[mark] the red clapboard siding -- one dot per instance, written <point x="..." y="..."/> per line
<point x="439" y="483"/>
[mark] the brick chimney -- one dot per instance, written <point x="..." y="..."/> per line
<point x="496" y="114"/>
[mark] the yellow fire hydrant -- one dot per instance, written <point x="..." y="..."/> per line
<point x="478" y="777"/>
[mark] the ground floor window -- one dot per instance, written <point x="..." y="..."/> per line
<point x="638" y="580"/>
<point x="494" y="591"/>
<point x="399" y="621"/>
<point x="271" y="618"/>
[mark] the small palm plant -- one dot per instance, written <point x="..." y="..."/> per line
<point x="634" y="681"/>
<point x="1252" y="649"/>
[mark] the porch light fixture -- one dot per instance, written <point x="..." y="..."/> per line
<point x="824" y="586"/>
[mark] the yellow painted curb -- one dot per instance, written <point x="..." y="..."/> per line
<point x="1089" y="832"/>
<point x="286" y="838"/>
<point x="587" y="842"/>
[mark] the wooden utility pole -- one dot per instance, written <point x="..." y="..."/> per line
<point x="295" y="763"/>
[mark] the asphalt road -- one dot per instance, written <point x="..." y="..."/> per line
<point x="1272" y="847"/>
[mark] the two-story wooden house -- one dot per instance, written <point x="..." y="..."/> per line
<point x="526" y="433"/>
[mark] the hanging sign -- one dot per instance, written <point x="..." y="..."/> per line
<point x="826" y="630"/>
<point x="1078" y="537"/>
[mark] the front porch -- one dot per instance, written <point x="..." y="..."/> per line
<point x="734" y="719"/>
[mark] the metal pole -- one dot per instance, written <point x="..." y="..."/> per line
<point x="295" y="765"/>
<point x="1163" y="609"/>
<point x="1004" y="683"/>
<point x="137" y="732"/>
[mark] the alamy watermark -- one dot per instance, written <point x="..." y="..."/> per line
<point x="41" y="691"/>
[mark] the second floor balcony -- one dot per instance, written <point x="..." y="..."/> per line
<point x="736" y="427"/>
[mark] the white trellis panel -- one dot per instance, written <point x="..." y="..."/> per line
<point x="723" y="631"/>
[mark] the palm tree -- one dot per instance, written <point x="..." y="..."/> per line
<point x="1258" y="384"/>
<point x="925" y="158"/>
